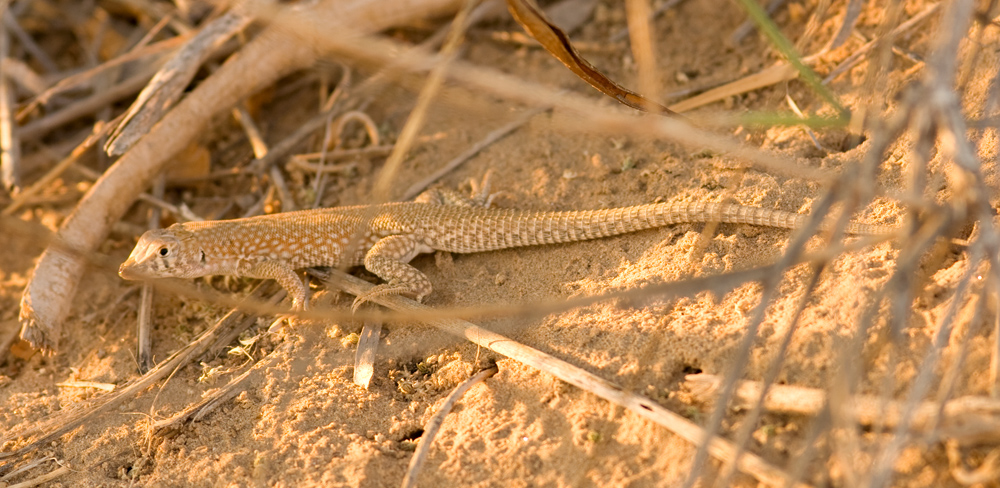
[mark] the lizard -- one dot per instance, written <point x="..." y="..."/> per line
<point x="385" y="237"/>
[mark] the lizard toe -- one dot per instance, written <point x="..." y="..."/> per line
<point x="380" y="291"/>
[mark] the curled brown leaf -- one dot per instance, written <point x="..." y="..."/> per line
<point x="557" y="43"/>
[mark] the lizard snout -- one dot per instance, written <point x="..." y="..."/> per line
<point x="126" y="271"/>
<point x="130" y="270"/>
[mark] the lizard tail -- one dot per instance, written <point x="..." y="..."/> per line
<point x="513" y="228"/>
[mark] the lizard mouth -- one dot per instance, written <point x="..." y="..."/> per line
<point x="128" y="271"/>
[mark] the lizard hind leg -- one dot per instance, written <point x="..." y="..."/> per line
<point x="480" y="197"/>
<point x="388" y="259"/>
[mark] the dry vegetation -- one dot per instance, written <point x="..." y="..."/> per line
<point x="879" y="356"/>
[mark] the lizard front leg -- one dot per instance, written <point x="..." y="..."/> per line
<point x="387" y="259"/>
<point x="286" y="277"/>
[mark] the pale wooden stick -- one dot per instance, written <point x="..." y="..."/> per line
<point x="168" y="84"/>
<point x="88" y="384"/>
<point x="45" y="478"/>
<point x="967" y="420"/>
<point x="10" y="142"/>
<point x="297" y="162"/>
<point x="642" y="39"/>
<point x="766" y="77"/>
<point x="364" y="357"/>
<point x="27" y="467"/>
<point x="624" y="31"/>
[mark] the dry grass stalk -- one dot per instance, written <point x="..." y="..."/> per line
<point x="43" y="479"/>
<point x="434" y="424"/>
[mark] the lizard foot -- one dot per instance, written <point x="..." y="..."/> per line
<point x="382" y="291"/>
<point x="292" y="319"/>
<point x="480" y="197"/>
<point x="42" y="334"/>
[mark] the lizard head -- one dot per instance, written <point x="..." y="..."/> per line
<point x="165" y="253"/>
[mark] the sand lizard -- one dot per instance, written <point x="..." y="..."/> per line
<point x="274" y="246"/>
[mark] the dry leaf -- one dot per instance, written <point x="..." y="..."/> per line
<point x="557" y="43"/>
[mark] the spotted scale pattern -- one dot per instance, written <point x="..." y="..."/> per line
<point x="385" y="238"/>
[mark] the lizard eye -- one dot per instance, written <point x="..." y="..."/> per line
<point x="164" y="251"/>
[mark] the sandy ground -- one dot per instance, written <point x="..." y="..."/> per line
<point x="301" y="422"/>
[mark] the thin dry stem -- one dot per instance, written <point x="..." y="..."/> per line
<point x="434" y="424"/>
<point x="716" y="446"/>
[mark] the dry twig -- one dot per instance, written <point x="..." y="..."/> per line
<point x="434" y="424"/>
<point x="718" y="447"/>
